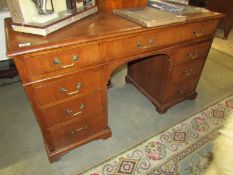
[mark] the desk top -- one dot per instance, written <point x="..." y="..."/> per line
<point x="93" y="28"/>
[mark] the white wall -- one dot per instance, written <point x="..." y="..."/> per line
<point x="3" y="14"/>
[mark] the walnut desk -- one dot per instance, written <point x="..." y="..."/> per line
<point x="65" y="74"/>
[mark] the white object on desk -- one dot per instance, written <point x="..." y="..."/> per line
<point x="44" y="18"/>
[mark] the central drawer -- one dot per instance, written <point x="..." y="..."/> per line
<point x="143" y="42"/>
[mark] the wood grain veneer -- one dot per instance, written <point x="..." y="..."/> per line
<point x="107" y="6"/>
<point x="165" y="64"/>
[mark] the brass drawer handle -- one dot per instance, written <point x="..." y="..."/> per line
<point x="182" y="91"/>
<point x="72" y="132"/>
<point x="188" y="72"/>
<point x="63" y="90"/>
<point x="70" y="112"/>
<point x="193" y="55"/>
<point x="149" y="45"/>
<point x="74" y="59"/>
<point x="199" y="33"/>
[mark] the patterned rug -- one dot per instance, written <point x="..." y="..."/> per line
<point x="183" y="149"/>
<point x="222" y="45"/>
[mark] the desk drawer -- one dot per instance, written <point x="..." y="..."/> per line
<point x="198" y="30"/>
<point x="77" y="132"/>
<point x="182" y="90"/>
<point x="74" y="132"/>
<point x="187" y="71"/>
<point x="142" y="42"/>
<point x="58" y="60"/>
<point x="192" y="52"/>
<point x="68" y="86"/>
<point x="82" y="107"/>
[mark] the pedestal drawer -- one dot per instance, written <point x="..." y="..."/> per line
<point x="186" y="71"/>
<point x="57" y="60"/>
<point x="78" y="132"/>
<point x="89" y="105"/>
<point x="75" y="132"/>
<point x="198" y="30"/>
<point x="192" y="52"/>
<point x="68" y="86"/>
<point x="182" y="90"/>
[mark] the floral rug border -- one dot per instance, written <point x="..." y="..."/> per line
<point x="161" y="154"/>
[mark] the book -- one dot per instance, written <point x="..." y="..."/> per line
<point x="150" y="17"/>
<point x="175" y="7"/>
<point x="62" y="21"/>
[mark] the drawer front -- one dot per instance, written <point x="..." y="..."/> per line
<point x="142" y="42"/>
<point x="77" y="132"/>
<point x="198" y="30"/>
<point x="182" y="90"/>
<point x="186" y="71"/>
<point x="72" y="133"/>
<point x="68" y="86"/>
<point x="61" y="60"/>
<point x="83" y="107"/>
<point x="192" y="52"/>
